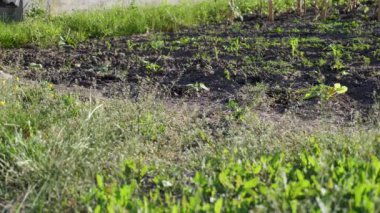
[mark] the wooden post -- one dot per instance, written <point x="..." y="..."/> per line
<point x="300" y="7"/>
<point x="325" y="9"/>
<point x="304" y="6"/>
<point x="270" y="10"/>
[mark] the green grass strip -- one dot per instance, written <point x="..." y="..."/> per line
<point x="79" y="26"/>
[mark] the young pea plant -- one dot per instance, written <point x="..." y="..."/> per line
<point x="337" y="53"/>
<point x="294" y="43"/>
<point x="152" y="68"/>
<point x="234" y="46"/>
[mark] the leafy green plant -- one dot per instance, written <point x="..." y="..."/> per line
<point x="234" y="46"/>
<point x="337" y="53"/>
<point x="227" y="74"/>
<point x="311" y="182"/>
<point x="325" y="92"/>
<point x="152" y="67"/>
<point x="157" y="45"/>
<point x="237" y="111"/>
<point x="294" y="42"/>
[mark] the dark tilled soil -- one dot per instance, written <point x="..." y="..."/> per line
<point x="225" y="58"/>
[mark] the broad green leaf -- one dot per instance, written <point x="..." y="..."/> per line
<point x="339" y="89"/>
<point x="218" y="205"/>
<point x="99" y="181"/>
<point x="293" y="205"/>
<point x="223" y="178"/>
<point x="98" y="209"/>
<point x="257" y="169"/>
<point x="251" y="183"/>
<point x="300" y="175"/>
<point x="358" y="191"/>
<point x="175" y="209"/>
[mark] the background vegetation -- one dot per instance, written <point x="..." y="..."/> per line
<point x="59" y="153"/>
<point x="64" y="152"/>
<point x="41" y="29"/>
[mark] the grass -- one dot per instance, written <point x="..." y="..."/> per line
<point x="42" y="30"/>
<point x="60" y="153"/>
<point x="73" y="28"/>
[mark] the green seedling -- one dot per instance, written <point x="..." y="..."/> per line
<point x="376" y="53"/>
<point x="152" y="67"/>
<point x="131" y="45"/>
<point x="35" y="66"/>
<point x="198" y="87"/>
<point x="184" y="40"/>
<point x="325" y="92"/>
<point x="294" y="42"/>
<point x="216" y="52"/>
<point x="237" y="111"/>
<point x="337" y="53"/>
<point x="227" y="74"/>
<point x="234" y="46"/>
<point x="157" y="45"/>
<point x="366" y="61"/>
<point x="108" y="45"/>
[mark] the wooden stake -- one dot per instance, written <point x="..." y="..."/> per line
<point x="304" y="6"/>
<point x="271" y="11"/>
<point x="325" y="9"/>
<point x="300" y="5"/>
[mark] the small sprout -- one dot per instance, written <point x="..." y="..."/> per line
<point x="337" y="53"/>
<point x="367" y="61"/>
<point x="339" y="89"/>
<point x="227" y="74"/>
<point x="294" y="42"/>
<point x="216" y="51"/>
<point x="199" y="87"/>
<point x="156" y="45"/>
<point x="325" y="92"/>
<point x="152" y="67"/>
<point x="35" y="66"/>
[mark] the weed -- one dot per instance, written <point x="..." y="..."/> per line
<point x="337" y="53"/>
